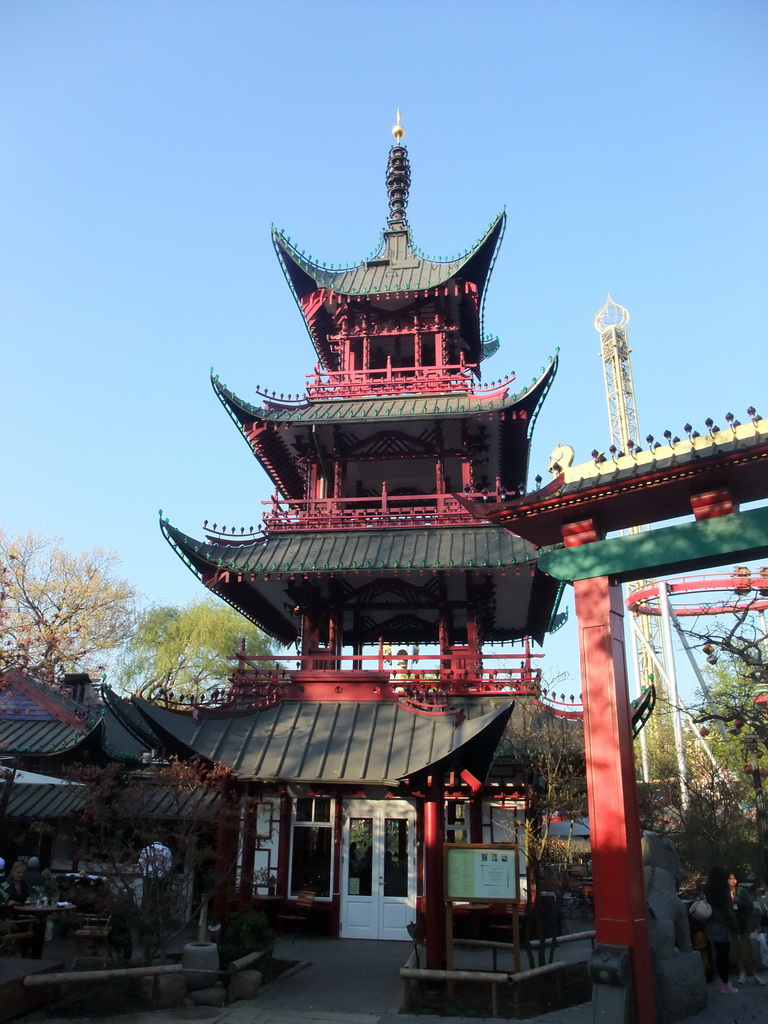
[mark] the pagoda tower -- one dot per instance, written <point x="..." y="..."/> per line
<point x="364" y="549"/>
<point x="378" y="733"/>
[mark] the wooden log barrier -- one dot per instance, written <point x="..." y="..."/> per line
<point x="247" y="961"/>
<point x="64" y="977"/>
<point x="492" y="978"/>
<point x="61" y="978"/>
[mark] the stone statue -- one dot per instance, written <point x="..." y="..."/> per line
<point x="679" y="980"/>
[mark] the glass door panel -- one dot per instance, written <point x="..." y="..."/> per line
<point x="396" y="857"/>
<point x="360" y="857"/>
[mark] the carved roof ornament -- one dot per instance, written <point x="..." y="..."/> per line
<point x="398" y="179"/>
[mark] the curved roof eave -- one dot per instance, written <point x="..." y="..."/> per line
<point x="239" y="410"/>
<point x="195" y="555"/>
<point x="529" y="398"/>
<point x="305" y="276"/>
<point x="474" y="745"/>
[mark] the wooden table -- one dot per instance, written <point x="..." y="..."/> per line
<point x="40" y="916"/>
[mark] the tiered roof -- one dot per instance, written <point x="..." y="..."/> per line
<point x="393" y="406"/>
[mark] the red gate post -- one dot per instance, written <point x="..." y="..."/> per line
<point x="617" y="864"/>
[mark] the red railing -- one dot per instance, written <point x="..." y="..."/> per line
<point x="407" y="380"/>
<point x="387" y="511"/>
<point x="459" y="669"/>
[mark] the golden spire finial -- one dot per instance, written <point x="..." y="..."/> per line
<point x="398" y="131"/>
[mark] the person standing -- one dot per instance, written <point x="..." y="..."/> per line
<point x="155" y="864"/>
<point x="722" y="924"/>
<point x="741" y="938"/>
<point x="34" y="876"/>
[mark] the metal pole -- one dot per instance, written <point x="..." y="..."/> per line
<point x="694" y="729"/>
<point x="674" y="700"/>
<point x="764" y="635"/>
<point x="698" y="673"/>
<point x="752" y="743"/>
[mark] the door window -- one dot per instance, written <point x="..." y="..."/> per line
<point x="360" y="856"/>
<point x="396" y="857"/>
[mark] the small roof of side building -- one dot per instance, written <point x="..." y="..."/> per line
<point x="349" y="742"/>
<point x="40" y="720"/>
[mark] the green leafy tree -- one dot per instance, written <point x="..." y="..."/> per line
<point x="552" y="750"/>
<point x="715" y="825"/>
<point x="186" y="651"/>
<point x="60" y="611"/>
<point x="719" y="822"/>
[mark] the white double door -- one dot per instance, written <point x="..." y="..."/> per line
<point x="378" y="871"/>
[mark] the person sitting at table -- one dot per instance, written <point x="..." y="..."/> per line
<point x="14" y="892"/>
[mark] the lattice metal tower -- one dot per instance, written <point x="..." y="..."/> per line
<point x="610" y="323"/>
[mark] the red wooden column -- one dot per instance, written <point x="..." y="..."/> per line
<point x="226" y="850"/>
<point x="434" y="915"/>
<point x="617" y="865"/>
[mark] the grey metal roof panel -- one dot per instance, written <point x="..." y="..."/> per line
<point x="123" y="712"/>
<point x="431" y="547"/>
<point x="33" y="801"/>
<point x="37" y="717"/>
<point x="35" y="737"/>
<point x="120" y="742"/>
<point x="373" y="742"/>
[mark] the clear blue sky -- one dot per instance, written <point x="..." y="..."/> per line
<point x="148" y="145"/>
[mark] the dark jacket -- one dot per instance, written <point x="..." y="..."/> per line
<point x="9" y="894"/>
<point x="744" y="911"/>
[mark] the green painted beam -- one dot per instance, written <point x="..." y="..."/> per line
<point x="740" y="536"/>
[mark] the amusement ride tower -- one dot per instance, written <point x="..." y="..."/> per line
<point x="648" y="649"/>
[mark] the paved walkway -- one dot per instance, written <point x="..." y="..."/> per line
<point x="351" y="982"/>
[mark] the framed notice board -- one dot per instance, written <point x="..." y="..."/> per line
<point x="483" y="873"/>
